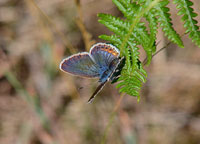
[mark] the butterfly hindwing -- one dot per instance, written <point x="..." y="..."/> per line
<point x="104" y="54"/>
<point x="80" y="64"/>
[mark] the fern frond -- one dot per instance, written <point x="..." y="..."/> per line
<point x="165" y="23"/>
<point x="127" y="8"/>
<point x="113" y="39"/>
<point x="186" y="10"/>
<point x="131" y="83"/>
<point x="153" y="26"/>
<point x="121" y="27"/>
<point x="130" y="32"/>
<point x="114" y="24"/>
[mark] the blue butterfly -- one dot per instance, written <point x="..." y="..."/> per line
<point x="101" y="62"/>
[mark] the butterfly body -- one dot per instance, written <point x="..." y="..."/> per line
<point x="101" y="62"/>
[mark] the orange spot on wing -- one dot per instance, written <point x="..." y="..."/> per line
<point x="108" y="49"/>
<point x="111" y="51"/>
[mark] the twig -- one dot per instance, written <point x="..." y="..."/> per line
<point x="105" y="133"/>
<point x="145" y="60"/>
<point x="87" y="37"/>
<point x="66" y="42"/>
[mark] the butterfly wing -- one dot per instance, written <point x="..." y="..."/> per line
<point x="98" y="89"/>
<point x="80" y="64"/>
<point x="103" y="54"/>
<point x="106" y="56"/>
<point x="117" y="72"/>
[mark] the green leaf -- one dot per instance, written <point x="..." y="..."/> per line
<point x="188" y="15"/>
<point x="165" y="22"/>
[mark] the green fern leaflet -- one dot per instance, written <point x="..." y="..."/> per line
<point x="185" y="9"/>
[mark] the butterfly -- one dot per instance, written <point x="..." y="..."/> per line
<point x="101" y="62"/>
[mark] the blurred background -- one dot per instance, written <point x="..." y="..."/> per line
<point x="39" y="104"/>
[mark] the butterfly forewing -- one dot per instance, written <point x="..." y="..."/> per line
<point x="81" y="65"/>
